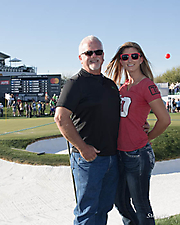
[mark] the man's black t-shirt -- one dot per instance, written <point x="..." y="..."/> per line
<point x="95" y="105"/>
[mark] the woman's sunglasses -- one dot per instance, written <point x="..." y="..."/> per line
<point x="134" y="56"/>
<point x="90" y="53"/>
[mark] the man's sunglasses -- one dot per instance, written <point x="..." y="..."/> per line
<point x="90" y="53"/>
<point x="133" y="56"/>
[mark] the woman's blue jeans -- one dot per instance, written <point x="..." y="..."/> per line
<point x="96" y="185"/>
<point x="132" y="198"/>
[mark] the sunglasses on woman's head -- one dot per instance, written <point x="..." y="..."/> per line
<point x="134" y="56"/>
<point x="90" y="53"/>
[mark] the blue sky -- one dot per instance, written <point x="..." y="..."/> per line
<point x="47" y="33"/>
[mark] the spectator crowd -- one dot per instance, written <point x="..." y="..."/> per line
<point x="32" y="108"/>
<point x="173" y="105"/>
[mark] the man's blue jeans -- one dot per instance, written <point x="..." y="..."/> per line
<point x="96" y="185"/>
<point x="135" y="172"/>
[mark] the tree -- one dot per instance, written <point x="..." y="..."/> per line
<point x="65" y="77"/>
<point x="170" y="76"/>
<point x="63" y="81"/>
<point x="159" y="79"/>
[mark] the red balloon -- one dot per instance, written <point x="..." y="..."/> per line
<point x="167" y="56"/>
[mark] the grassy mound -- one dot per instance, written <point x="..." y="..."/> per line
<point x="167" y="145"/>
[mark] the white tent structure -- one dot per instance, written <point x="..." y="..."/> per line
<point x="15" y="60"/>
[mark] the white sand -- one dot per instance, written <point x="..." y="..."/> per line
<point x="36" y="195"/>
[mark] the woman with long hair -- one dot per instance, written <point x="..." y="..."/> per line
<point x="139" y="95"/>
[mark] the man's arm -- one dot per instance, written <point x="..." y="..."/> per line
<point x="67" y="129"/>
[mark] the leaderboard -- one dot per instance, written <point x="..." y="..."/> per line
<point x="31" y="84"/>
<point x="35" y="84"/>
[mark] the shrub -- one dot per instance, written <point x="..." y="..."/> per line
<point x="167" y="145"/>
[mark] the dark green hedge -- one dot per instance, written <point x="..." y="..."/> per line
<point x="167" y="145"/>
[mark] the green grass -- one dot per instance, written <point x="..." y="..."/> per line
<point x="172" y="220"/>
<point x="18" y="132"/>
<point x="12" y="154"/>
<point x="13" y="143"/>
<point x="39" y="130"/>
<point x="174" y="116"/>
<point x="167" y="145"/>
